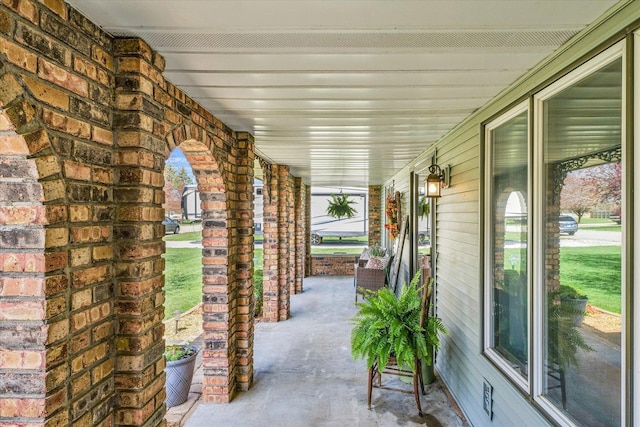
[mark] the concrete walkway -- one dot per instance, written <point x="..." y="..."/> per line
<point x="305" y="375"/>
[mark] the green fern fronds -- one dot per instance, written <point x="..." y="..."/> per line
<point x="387" y="326"/>
<point x="340" y="206"/>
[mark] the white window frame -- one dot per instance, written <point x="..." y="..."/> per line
<point x="611" y="54"/>
<point x="489" y="351"/>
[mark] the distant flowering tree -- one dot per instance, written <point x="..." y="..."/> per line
<point x="174" y="182"/>
<point x="584" y="189"/>
<point x="578" y="194"/>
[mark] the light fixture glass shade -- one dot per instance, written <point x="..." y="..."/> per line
<point x="433" y="185"/>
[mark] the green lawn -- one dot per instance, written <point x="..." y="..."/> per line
<point x="596" y="221"/>
<point x="183" y="279"/>
<point x="594" y="271"/>
<point x="612" y="227"/>
<point x="356" y="239"/>
<point x="323" y="251"/>
<point x="192" y="236"/>
<point x="257" y="258"/>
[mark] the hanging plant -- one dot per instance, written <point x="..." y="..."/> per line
<point x="423" y="207"/>
<point x="392" y="215"/>
<point x="340" y="206"/>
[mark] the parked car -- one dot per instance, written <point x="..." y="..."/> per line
<point x="171" y="226"/>
<point x="568" y="225"/>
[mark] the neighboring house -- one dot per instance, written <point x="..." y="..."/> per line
<point x="191" y="208"/>
<point x="503" y="359"/>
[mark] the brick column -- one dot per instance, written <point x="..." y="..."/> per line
<point x="244" y="266"/>
<point x="300" y="231"/>
<point x="270" y="246"/>
<point x="291" y="231"/>
<point x="138" y="232"/>
<point x="552" y="236"/>
<point x="375" y="214"/>
<point x="279" y="237"/>
<point x="307" y="231"/>
<point x="56" y="212"/>
<point x="284" y="242"/>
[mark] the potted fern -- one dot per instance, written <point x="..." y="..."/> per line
<point x="387" y="326"/>
<point x="570" y="295"/>
<point x="565" y="339"/>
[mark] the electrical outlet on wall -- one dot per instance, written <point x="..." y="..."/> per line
<point x="487" y="398"/>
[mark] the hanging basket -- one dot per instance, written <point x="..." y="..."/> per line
<point x="179" y="376"/>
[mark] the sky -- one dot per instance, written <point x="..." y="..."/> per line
<point x="177" y="160"/>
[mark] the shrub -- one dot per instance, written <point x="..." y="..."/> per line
<point x="257" y="291"/>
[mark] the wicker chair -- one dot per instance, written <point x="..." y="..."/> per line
<point x="369" y="279"/>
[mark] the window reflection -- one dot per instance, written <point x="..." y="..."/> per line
<point x="582" y="148"/>
<point x="509" y="226"/>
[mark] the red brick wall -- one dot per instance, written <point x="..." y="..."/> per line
<point x="375" y="214"/>
<point x="333" y="265"/>
<point x="81" y="279"/>
<point x="300" y="201"/>
<point x="56" y="89"/>
<point x="280" y="248"/>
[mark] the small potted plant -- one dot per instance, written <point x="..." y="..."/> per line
<point x="578" y="301"/>
<point x="181" y="362"/>
<point x="564" y="337"/>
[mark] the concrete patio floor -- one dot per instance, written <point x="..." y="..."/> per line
<point x="304" y="374"/>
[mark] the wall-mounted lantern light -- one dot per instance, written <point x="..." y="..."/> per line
<point x="438" y="178"/>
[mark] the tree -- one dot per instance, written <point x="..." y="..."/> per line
<point x="340" y="206"/>
<point x="174" y="183"/>
<point x="586" y="188"/>
<point x="607" y="182"/>
<point x="578" y="194"/>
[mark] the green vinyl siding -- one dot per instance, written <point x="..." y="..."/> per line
<point x="460" y="362"/>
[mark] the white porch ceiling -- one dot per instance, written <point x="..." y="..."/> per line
<point x="345" y="92"/>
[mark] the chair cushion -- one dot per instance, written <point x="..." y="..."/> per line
<point x="379" y="263"/>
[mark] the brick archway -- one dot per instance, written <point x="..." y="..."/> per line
<point x="227" y="257"/>
<point x="82" y="145"/>
<point x="219" y="350"/>
<point x="56" y="309"/>
<point x="23" y="274"/>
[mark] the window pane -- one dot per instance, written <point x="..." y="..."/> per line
<point x="509" y="225"/>
<point x="582" y="149"/>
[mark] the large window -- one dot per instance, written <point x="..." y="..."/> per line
<point x="553" y="254"/>
<point x="507" y="293"/>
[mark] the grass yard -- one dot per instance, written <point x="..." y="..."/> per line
<point x="355" y="239"/>
<point x="323" y="251"/>
<point x="612" y="227"/>
<point x="183" y="279"/>
<point x="594" y="271"/>
<point x="192" y="236"/>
